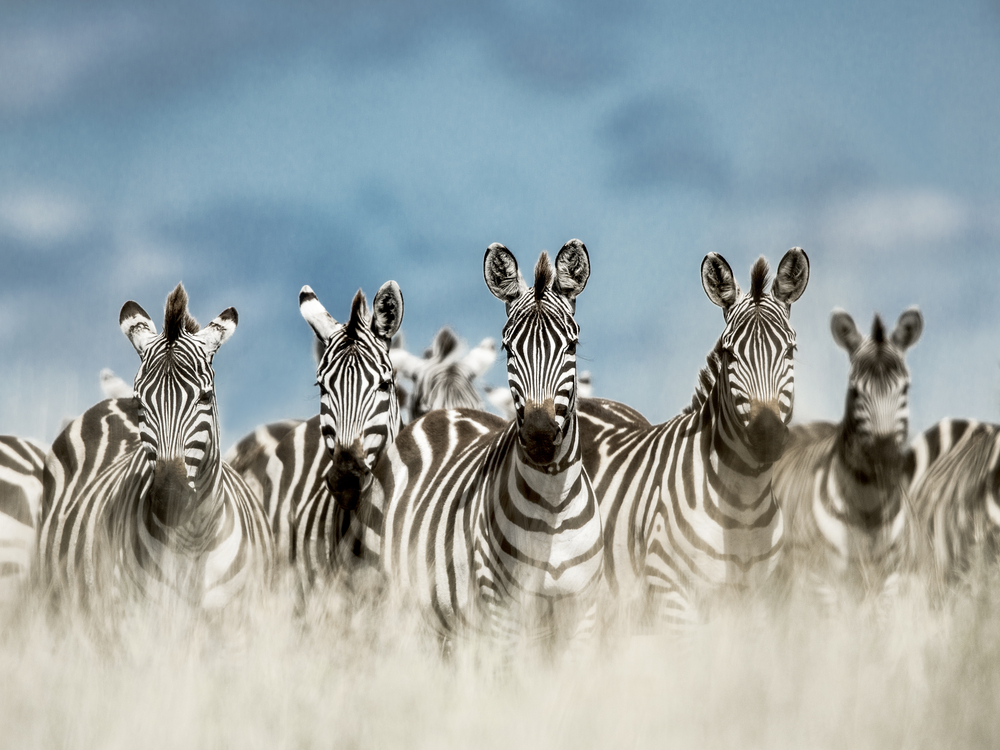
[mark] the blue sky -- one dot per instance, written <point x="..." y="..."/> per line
<point x="250" y="148"/>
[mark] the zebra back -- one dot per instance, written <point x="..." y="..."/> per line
<point x="687" y="505"/>
<point x="849" y="524"/>
<point x="22" y="464"/>
<point x="139" y="503"/>
<point x="955" y="487"/>
<point x="492" y="526"/>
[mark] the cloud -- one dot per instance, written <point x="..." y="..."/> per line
<point x="665" y="140"/>
<point x="43" y="219"/>
<point x="891" y="219"/>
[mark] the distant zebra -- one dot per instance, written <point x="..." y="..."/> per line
<point x="444" y="378"/>
<point x="22" y="464"/>
<point x="687" y="505"/>
<point x="313" y="476"/>
<point x="955" y="491"/>
<point x="138" y="503"/>
<point x="250" y="455"/>
<point x="492" y="526"/>
<point x="841" y="487"/>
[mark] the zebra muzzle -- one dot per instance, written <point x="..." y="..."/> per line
<point x="766" y="436"/>
<point x="171" y="493"/>
<point x="540" y="434"/>
<point x="349" y="476"/>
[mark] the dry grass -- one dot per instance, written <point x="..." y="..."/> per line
<point x="349" y="675"/>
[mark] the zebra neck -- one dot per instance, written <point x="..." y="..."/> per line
<point x="864" y="493"/>
<point x="724" y="439"/>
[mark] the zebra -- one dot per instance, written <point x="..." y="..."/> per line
<point x="687" y="505"/>
<point x="22" y="465"/>
<point x="138" y="503"/>
<point x="841" y="487"/>
<point x="444" y="377"/>
<point x="489" y="526"/>
<point x="312" y="477"/>
<point x="955" y="491"/>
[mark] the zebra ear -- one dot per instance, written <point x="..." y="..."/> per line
<point x="137" y="326"/>
<point x="387" y="311"/>
<point x="405" y="363"/>
<point x="572" y="269"/>
<point x="718" y="281"/>
<point x="792" y="276"/>
<point x="445" y="344"/>
<point x="480" y="359"/>
<point x="216" y="333"/>
<point x="315" y="314"/>
<point x="908" y="328"/>
<point x="844" y="331"/>
<point x="501" y="274"/>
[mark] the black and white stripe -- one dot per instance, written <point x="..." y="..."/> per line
<point x="312" y="477"/>
<point x="492" y="526"/>
<point x="22" y="464"/>
<point x="138" y="503"/>
<point x="848" y="521"/>
<point x="687" y="505"/>
<point x="955" y="491"/>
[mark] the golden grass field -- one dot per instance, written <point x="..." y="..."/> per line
<point x="345" y="674"/>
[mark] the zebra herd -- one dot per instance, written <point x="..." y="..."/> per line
<point x="513" y="528"/>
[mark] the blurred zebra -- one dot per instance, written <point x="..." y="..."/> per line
<point x="955" y="491"/>
<point x="841" y="487"/>
<point x="444" y="378"/>
<point x="138" y="503"/>
<point x="492" y="526"/>
<point x="687" y="505"/>
<point x="22" y="464"/>
<point x="314" y="475"/>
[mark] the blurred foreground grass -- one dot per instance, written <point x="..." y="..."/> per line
<point x="343" y="675"/>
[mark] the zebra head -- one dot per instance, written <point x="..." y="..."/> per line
<point x="359" y="409"/>
<point x="444" y="378"/>
<point x="755" y="350"/>
<point x="175" y="395"/>
<point x="876" y="418"/>
<point x="540" y="339"/>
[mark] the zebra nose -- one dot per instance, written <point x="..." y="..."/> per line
<point x="349" y="476"/>
<point x="540" y="434"/>
<point x="766" y="434"/>
<point x="171" y="492"/>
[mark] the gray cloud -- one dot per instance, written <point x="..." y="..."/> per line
<point x="662" y="141"/>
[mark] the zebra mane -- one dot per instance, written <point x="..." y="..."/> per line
<point x="759" y="279"/>
<point x="878" y="330"/>
<point x="707" y="379"/>
<point x="176" y="318"/>
<point x="359" y="316"/>
<point x="445" y="344"/>
<point x="543" y="275"/>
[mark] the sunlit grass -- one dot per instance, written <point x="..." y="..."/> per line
<point x="344" y="673"/>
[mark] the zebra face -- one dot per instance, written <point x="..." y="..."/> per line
<point x="359" y="408"/>
<point x="175" y="395"/>
<point x="876" y="418"/>
<point x="756" y="350"/>
<point x="540" y="340"/>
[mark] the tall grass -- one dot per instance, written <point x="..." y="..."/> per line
<point x="352" y="674"/>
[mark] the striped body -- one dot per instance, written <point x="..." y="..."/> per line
<point x="687" y="505"/>
<point x="250" y="455"/>
<point x="22" y="463"/>
<point x="490" y="526"/>
<point x="848" y="521"/>
<point x="955" y="491"/>
<point x="138" y="503"/>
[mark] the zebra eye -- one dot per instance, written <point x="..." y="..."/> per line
<point x="206" y="398"/>
<point x="791" y="351"/>
<point x="854" y="392"/>
<point x="385" y="386"/>
<point x="571" y="349"/>
<point x="906" y="388"/>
